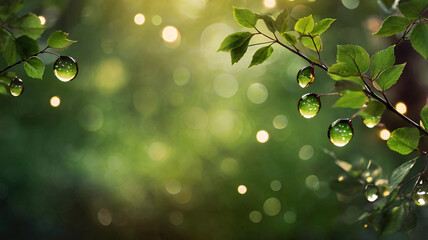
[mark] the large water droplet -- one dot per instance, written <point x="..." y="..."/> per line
<point x="341" y="132"/>
<point x="305" y="76"/>
<point x="66" y="68"/>
<point x="371" y="192"/>
<point x="420" y="191"/>
<point x="309" y="105"/>
<point x="372" y="121"/>
<point x="16" y="87"/>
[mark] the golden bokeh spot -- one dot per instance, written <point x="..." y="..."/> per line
<point x="242" y="189"/>
<point x="262" y="136"/>
<point x="384" y="134"/>
<point x="42" y="20"/>
<point x="269" y="3"/>
<point x="401" y="107"/>
<point x="170" y="34"/>
<point x="110" y="75"/>
<point x="55" y="101"/>
<point x="139" y="19"/>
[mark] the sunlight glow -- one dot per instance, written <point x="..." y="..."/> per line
<point x="262" y="136"/>
<point x="170" y="34"/>
<point x="139" y="19"/>
<point x="242" y="189"/>
<point x="269" y="3"/>
<point x="384" y="134"/>
<point x="55" y="101"/>
<point x="42" y="20"/>
<point x="401" y="107"/>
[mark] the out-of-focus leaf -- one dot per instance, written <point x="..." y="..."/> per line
<point x="34" y="67"/>
<point x="281" y="20"/>
<point x="29" y="25"/>
<point x="10" y="52"/>
<point x="424" y="117"/>
<point x="341" y="86"/>
<point x="5" y="36"/>
<point x="419" y="39"/>
<point x="393" y="25"/>
<point x="394" y="220"/>
<point x="404" y="140"/>
<point x="26" y="46"/>
<point x="9" y="8"/>
<point x="400" y="173"/>
<point x="412" y="8"/>
<point x="245" y="17"/>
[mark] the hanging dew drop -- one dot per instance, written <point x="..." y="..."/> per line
<point x="341" y="132"/>
<point x="372" y="121"/>
<point x="309" y="105"/>
<point x="66" y="68"/>
<point x="371" y="193"/>
<point x="16" y="87"/>
<point x="305" y="76"/>
<point x="420" y="191"/>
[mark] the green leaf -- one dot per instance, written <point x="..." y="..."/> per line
<point x="400" y="173"/>
<point x="291" y="38"/>
<point x="10" y="52"/>
<point x="307" y="42"/>
<point x="268" y="20"/>
<point x="341" y="86"/>
<point x="29" y="25"/>
<point x="281" y="21"/>
<point x="373" y="109"/>
<point x="355" y="56"/>
<point x="382" y="60"/>
<point x="305" y="25"/>
<point x="322" y="26"/>
<point x="404" y="140"/>
<point x="34" y="67"/>
<point x="343" y="69"/>
<point x="419" y="39"/>
<point x="9" y="8"/>
<point x="237" y="53"/>
<point x="5" y="36"/>
<point x="352" y="99"/>
<point x="390" y="76"/>
<point x="394" y="220"/>
<point x="234" y="40"/>
<point x="58" y="40"/>
<point x="424" y="116"/>
<point x="412" y="8"/>
<point x="5" y="79"/>
<point x="245" y="17"/>
<point x="261" y="55"/>
<point x="26" y="46"/>
<point x="393" y="25"/>
<point x="410" y="219"/>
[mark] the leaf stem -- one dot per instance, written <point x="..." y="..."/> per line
<point x="23" y="60"/>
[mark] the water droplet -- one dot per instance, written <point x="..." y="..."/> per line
<point x="16" y="87"/>
<point x="341" y="132"/>
<point x="420" y="191"/>
<point x="305" y="76"/>
<point x="371" y="192"/>
<point x="372" y="121"/>
<point x="309" y="105"/>
<point x="66" y="68"/>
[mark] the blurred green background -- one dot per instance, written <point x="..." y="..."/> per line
<point x="156" y="134"/>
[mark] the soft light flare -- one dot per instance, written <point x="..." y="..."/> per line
<point x="242" y="189"/>
<point x="139" y="19"/>
<point x="55" y="101"/>
<point x="170" y="34"/>
<point x="384" y="134"/>
<point x="42" y="20"/>
<point x="269" y="3"/>
<point x="401" y="107"/>
<point x="262" y="136"/>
